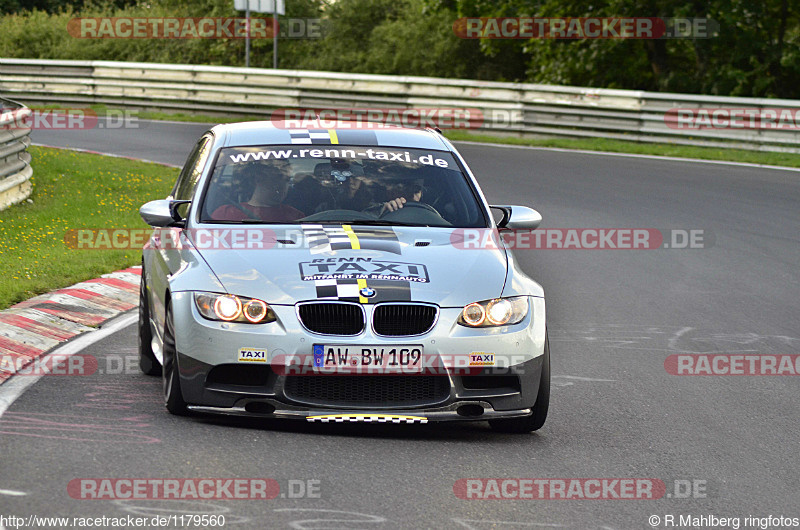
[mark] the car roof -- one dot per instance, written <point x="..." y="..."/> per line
<point x="347" y="133"/>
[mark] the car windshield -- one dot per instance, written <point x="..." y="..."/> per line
<point x="340" y="184"/>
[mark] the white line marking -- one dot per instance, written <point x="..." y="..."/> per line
<point x="632" y="155"/>
<point x="673" y="341"/>
<point x="13" y="388"/>
<point x="466" y="523"/>
<point x="576" y="378"/>
<point x="12" y="493"/>
<point x="299" y="524"/>
<point x="181" y="507"/>
<point x="91" y="152"/>
<point x="176" y="122"/>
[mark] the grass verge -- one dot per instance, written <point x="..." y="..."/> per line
<point x="73" y="190"/>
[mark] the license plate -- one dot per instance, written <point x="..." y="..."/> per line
<point x="351" y="358"/>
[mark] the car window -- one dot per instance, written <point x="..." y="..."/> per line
<point x="190" y="174"/>
<point x="340" y="184"/>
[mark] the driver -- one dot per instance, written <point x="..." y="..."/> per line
<point x="403" y="185"/>
<point x="271" y="183"/>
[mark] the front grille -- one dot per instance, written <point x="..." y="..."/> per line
<point x="368" y="391"/>
<point x="332" y="318"/>
<point x="395" y="320"/>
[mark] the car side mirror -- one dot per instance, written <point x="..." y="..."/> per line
<point x="163" y="213"/>
<point x="518" y="217"/>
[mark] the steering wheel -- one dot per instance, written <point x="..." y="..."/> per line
<point x="338" y="215"/>
<point x="413" y="204"/>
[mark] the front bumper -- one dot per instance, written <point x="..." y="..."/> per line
<point x="462" y="411"/>
<point x="506" y="390"/>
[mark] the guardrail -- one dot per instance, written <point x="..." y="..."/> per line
<point x="15" y="161"/>
<point x="518" y="109"/>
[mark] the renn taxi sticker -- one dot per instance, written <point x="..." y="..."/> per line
<point x="481" y="358"/>
<point x="251" y="355"/>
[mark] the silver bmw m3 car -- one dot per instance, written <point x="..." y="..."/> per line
<point x="340" y="275"/>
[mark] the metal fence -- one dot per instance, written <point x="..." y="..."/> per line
<point x="15" y="161"/>
<point x="517" y="109"/>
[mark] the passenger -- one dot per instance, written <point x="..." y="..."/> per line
<point x="349" y="189"/>
<point x="266" y="202"/>
<point x="346" y="187"/>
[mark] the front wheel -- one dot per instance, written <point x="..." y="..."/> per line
<point x="535" y="421"/>
<point x="173" y="398"/>
<point x="148" y="363"/>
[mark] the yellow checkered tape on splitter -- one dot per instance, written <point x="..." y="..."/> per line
<point x="367" y="418"/>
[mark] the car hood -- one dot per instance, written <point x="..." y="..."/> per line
<point x="335" y="262"/>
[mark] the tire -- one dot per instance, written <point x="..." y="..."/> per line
<point x="173" y="398"/>
<point x="148" y="363"/>
<point x="536" y="420"/>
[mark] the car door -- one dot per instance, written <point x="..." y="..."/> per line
<point x="163" y="258"/>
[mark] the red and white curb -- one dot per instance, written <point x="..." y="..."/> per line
<point x="29" y="329"/>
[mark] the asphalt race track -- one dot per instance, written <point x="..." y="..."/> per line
<point x="614" y="317"/>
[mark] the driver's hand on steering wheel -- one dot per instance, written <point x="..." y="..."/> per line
<point x="393" y="205"/>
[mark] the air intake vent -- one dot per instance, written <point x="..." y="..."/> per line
<point x="368" y="391"/>
<point x="395" y="320"/>
<point x="334" y="318"/>
<point x="238" y="374"/>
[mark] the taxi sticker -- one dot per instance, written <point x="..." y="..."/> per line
<point x="481" y="358"/>
<point x="251" y="355"/>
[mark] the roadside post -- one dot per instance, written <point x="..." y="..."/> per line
<point x="275" y="8"/>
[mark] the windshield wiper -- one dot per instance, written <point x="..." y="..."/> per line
<point x="369" y="222"/>
<point x="366" y="222"/>
<point x="247" y="222"/>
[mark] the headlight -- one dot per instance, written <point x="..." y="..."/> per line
<point x="496" y="312"/>
<point x="227" y="307"/>
<point x="232" y="308"/>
